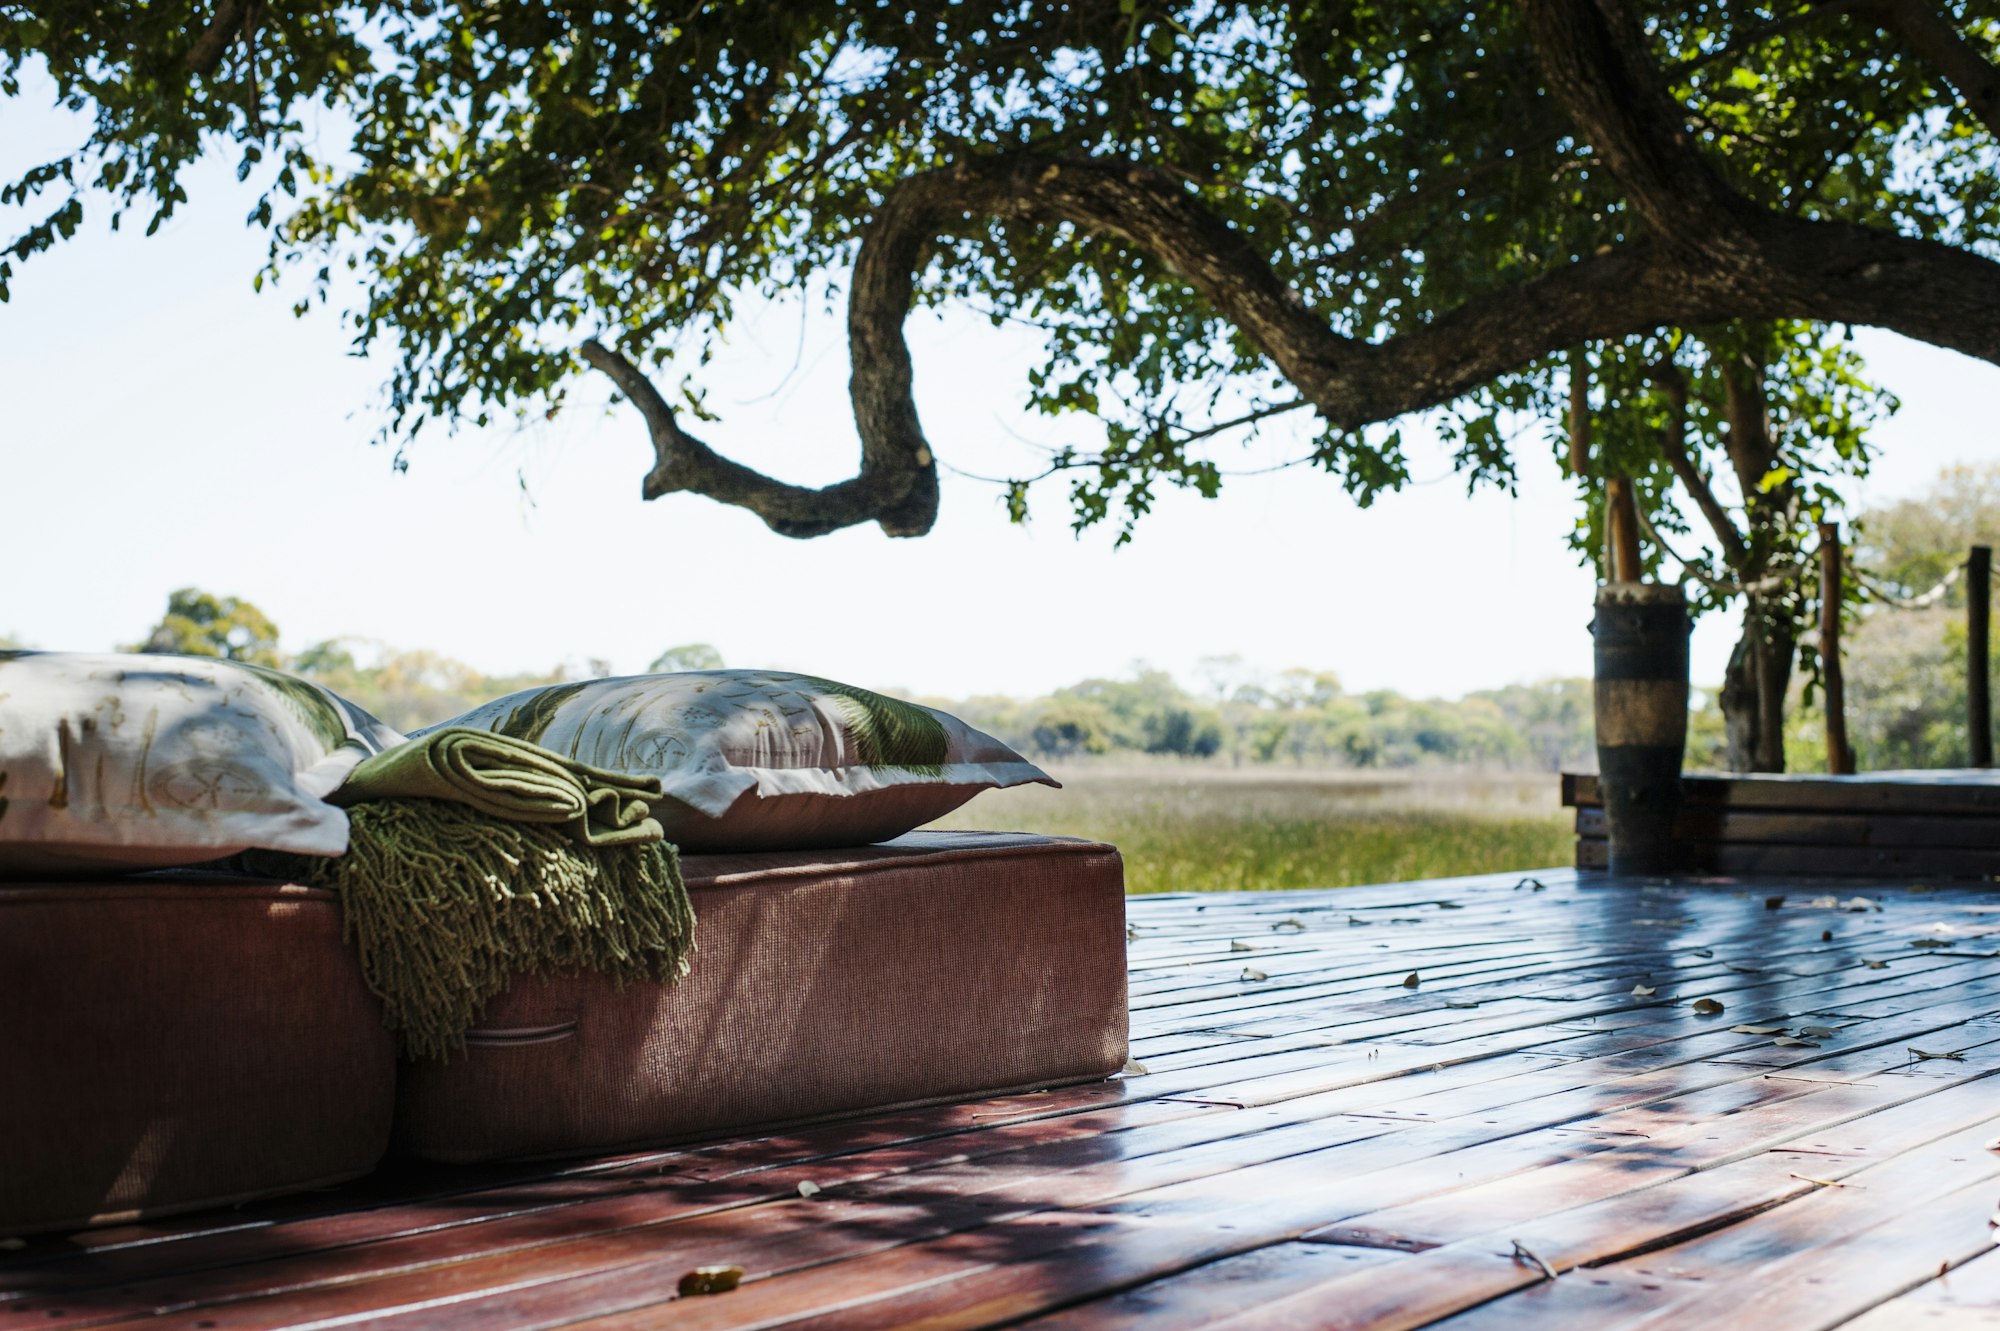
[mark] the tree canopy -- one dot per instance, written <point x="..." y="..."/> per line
<point x="1216" y="212"/>
<point x="199" y="623"/>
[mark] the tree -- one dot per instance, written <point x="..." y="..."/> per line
<point x="408" y="689"/>
<point x="198" y="623"/>
<point x="1217" y="213"/>
<point x="692" y="656"/>
<point x="1758" y="426"/>
<point x="1906" y="663"/>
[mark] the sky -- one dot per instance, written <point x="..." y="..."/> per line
<point x="162" y="426"/>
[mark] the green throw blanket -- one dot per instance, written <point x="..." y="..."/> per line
<point x="474" y="857"/>
<point x="512" y="780"/>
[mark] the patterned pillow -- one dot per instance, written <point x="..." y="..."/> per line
<point x="146" y="762"/>
<point x="764" y="760"/>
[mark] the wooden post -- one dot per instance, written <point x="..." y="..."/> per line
<point x="1621" y="531"/>
<point x="1978" y="683"/>
<point x="1579" y="413"/>
<point x="1839" y="756"/>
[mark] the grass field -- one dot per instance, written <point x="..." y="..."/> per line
<point x="1196" y="829"/>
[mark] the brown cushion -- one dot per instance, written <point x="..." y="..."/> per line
<point x="173" y="1042"/>
<point x="936" y="965"/>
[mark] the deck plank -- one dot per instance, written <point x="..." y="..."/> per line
<point x="1320" y="1146"/>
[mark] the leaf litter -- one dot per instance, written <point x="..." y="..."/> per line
<point x="710" y="1280"/>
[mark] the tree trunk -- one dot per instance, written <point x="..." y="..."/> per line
<point x="1760" y="668"/>
<point x="1754" y="688"/>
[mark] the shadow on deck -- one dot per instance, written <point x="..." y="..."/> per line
<point x="1487" y="1102"/>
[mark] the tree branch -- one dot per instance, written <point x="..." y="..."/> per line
<point x="683" y="462"/>
<point x="1718" y="261"/>
<point x="1673" y="446"/>
<point x="213" y="44"/>
<point x="1937" y="40"/>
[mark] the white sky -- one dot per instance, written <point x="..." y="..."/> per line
<point x="163" y="426"/>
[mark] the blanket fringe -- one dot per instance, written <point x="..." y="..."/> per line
<point x="445" y="905"/>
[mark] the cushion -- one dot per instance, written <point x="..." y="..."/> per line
<point x="939" y="965"/>
<point x="138" y="762"/>
<point x="178" y="1041"/>
<point x="764" y="760"/>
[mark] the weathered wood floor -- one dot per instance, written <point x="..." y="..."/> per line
<point x="1541" y="1129"/>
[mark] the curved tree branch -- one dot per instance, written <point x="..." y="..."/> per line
<point x="1704" y="254"/>
<point x="892" y="496"/>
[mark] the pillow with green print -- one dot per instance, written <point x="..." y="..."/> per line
<point x="129" y="762"/>
<point x="765" y="759"/>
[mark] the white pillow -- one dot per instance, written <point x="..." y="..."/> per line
<point x="147" y="762"/>
<point x="765" y="760"/>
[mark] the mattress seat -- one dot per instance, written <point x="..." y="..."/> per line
<point x="174" y="1041"/>
<point x="930" y="967"/>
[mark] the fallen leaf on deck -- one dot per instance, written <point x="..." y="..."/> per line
<point x="1358" y="924"/>
<point x="1748" y="1029"/>
<point x="1921" y="1055"/>
<point x="1288" y="926"/>
<point x="1131" y="932"/>
<point x="1411" y="981"/>
<point x="1793" y="1042"/>
<point x="1238" y="945"/>
<point x="1251" y="975"/>
<point x="1772" y="903"/>
<point x="1133" y="1068"/>
<point x="1876" y="965"/>
<point x="1447" y="905"/>
<point x="1644" y="990"/>
<point x="710" y="1280"/>
<point x="1534" y="884"/>
<point x="1706" y="1007"/>
<point x="1741" y="969"/>
<point x="1460" y="1002"/>
<point x="1704" y="952"/>
<point x="1931" y="942"/>
<point x="808" y="1189"/>
<point x="1523" y="1253"/>
<point x="1826" y="935"/>
<point x="1817" y="1032"/>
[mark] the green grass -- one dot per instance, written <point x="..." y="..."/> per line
<point x="1193" y="829"/>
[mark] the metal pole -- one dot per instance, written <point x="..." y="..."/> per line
<point x="1839" y="756"/>
<point x="1978" y="680"/>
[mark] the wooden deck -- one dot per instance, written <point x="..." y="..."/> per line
<point x="1477" y="1103"/>
<point x="1941" y="823"/>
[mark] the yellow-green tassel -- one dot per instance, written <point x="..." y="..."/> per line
<point x="446" y="904"/>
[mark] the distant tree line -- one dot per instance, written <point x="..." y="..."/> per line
<point x="1299" y="717"/>
<point x="1905" y="672"/>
